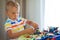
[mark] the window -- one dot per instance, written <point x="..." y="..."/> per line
<point x="52" y="13"/>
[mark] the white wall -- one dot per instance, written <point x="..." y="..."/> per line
<point x="42" y="11"/>
<point x="34" y="11"/>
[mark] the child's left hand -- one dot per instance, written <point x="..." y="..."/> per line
<point x="35" y="25"/>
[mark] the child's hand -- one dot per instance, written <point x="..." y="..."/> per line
<point x="29" y="22"/>
<point x="30" y="31"/>
<point x="35" y="25"/>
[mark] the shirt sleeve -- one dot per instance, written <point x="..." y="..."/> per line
<point x="7" y="26"/>
<point x="20" y="18"/>
<point x="25" y="20"/>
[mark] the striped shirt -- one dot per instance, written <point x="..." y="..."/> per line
<point x="15" y="26"/>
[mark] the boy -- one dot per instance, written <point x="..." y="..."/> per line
<point x="14" y="25"/>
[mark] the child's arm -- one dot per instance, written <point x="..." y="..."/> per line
<point x="29" y="22"/>
<point x="15" y="35"/>
<point x="33" y="24"/>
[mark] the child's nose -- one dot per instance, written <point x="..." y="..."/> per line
<point x="16" y="14"/>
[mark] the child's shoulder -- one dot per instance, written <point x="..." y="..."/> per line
<point x="7" y="21"/>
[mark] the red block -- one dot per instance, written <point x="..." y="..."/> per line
<point x="53" y="39"/>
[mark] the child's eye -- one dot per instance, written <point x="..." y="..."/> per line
<point x="13" y="13"/>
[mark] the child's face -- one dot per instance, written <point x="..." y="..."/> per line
<point x="13" y="13"/>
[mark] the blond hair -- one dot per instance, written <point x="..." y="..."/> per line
<point x="10" y="4"/>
